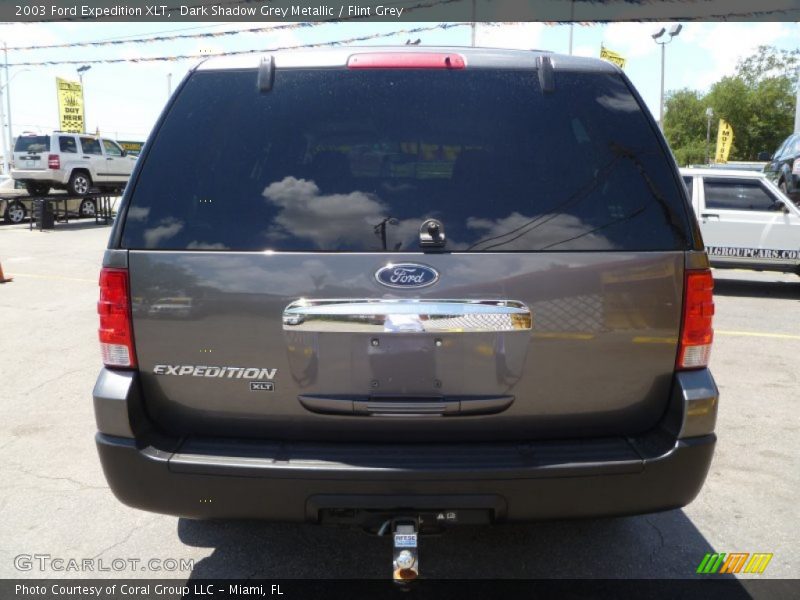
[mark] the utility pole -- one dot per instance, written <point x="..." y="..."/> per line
<point x="8" y="99"/>
<point x="673" y="31"/>
<point x="5" y="139"/>
<point x="797" y="105"/>
<point x="169" y="85"/>
<point x="709" y="116"/>
<point x="571" y="24"/>
<point x="81" y="71"/>
<point x="473" y="22"/>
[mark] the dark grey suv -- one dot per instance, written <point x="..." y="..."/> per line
<point x="371" y="283"/>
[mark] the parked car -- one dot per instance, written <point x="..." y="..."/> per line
<point x="70" y="161"/>
<point x="552" y="358"/>
<point x="16" y="204"/>
<point x="11" y="209"/>
<point x="746" y="220"/>
<point x="783" y="168"/>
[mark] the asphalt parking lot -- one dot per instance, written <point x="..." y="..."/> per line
<point x="54" y="499"/>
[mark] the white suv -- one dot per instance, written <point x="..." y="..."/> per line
<point x="75" y="162"/>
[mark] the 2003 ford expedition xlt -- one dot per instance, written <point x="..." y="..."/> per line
<point x="441" y="284"/>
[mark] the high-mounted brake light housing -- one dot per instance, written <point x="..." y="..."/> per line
<point x="697" y="332"/>
<point x="406" y="60"/>
<point x="116" y="326"/>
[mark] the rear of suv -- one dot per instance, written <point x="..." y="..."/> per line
<point x="409" y="280"/>
<point x="74" y="162"/>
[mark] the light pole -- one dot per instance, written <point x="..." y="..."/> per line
<point x="673" y="31"/>
<point x="5" y="140"/>
<point x="709" y="116"/>
<point x="81" y="71"/>
<point x="8" y="142"/>
<point x="797" y="106"/>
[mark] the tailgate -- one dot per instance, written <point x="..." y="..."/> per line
<point x="220" y="355"/>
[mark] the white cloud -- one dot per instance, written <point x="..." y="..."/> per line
<point x="589" y="51"/>
<point x="632" y="40"/>
<point x="525" y="36"/>
<point x="727" y="43"/>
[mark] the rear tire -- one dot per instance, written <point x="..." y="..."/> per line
<point x="37" y="189"/>
<point x="87" y="208"/>
<point x="15" y="212"/>
<point x="79" y="183"/>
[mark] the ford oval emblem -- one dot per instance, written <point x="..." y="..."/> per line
<point x="406" y="275"/>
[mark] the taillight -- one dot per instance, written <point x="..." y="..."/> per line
<point x="796" y="167"/>
<point x="53" y="161"/>
<point x="697" y="332"/>
<point x="406" y="60"/>
<point x="116" y="328"/>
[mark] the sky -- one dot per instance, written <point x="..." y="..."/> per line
<point x="124" y="100"/>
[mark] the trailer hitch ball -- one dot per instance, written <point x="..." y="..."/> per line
<point x="405" y="565"/>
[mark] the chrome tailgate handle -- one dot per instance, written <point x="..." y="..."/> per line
<point x="406" y="316"/>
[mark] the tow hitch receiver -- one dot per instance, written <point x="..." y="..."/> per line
<point x="405" y="562"/>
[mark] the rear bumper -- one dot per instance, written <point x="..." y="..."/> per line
<point x="276" y="482"/>
<point x="297" y="481"/>
<point x="40" y="175"/>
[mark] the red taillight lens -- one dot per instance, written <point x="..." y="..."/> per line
<point x="116" y="328"/>
<point x="697" y="332"/>
<point x="53" y="161"/>
<point x="406" y="60"/>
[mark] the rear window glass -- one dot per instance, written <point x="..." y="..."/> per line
<point x="356" y="160"/>
<point x="689" y="183"/>
<point x="32" y="143"/>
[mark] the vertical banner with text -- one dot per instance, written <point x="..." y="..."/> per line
<point x="724" y="142"/>
<point x="70" y="105"/>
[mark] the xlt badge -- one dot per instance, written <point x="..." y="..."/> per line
<point x="406" y="275"/>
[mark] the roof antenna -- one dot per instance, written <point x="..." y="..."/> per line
<point x="266" y="74"/>
<point x="546" y="74"/>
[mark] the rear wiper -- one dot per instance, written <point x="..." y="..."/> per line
<point x="669" y="212"/>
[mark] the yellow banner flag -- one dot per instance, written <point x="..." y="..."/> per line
<point x="612" y="56"/>
<point x="70" y="105"/>
<point x="724" y="141"/>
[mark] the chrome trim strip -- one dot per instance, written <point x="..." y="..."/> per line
<point x="406" y="316"/>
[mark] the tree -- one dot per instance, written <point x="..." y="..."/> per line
<point x="770" y="62"/>
<point x="758" y="101"/>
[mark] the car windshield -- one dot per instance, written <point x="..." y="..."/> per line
<point x="357" y="160"/>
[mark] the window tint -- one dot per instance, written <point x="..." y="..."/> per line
<point x="67" y="144"/>
<point x="356" y="160"/>
<point x="737" y="195"/>
<point x="32" y="143"/>
<point x="90" y="146"/>
<point x="689" y="183"/>
<point x="111" y="148"/>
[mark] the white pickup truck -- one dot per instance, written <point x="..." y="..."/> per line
<point x="746" y="221"/>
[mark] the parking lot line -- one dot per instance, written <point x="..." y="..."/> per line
<point x="54" y="277"/>
<point x="782" y="336"/>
